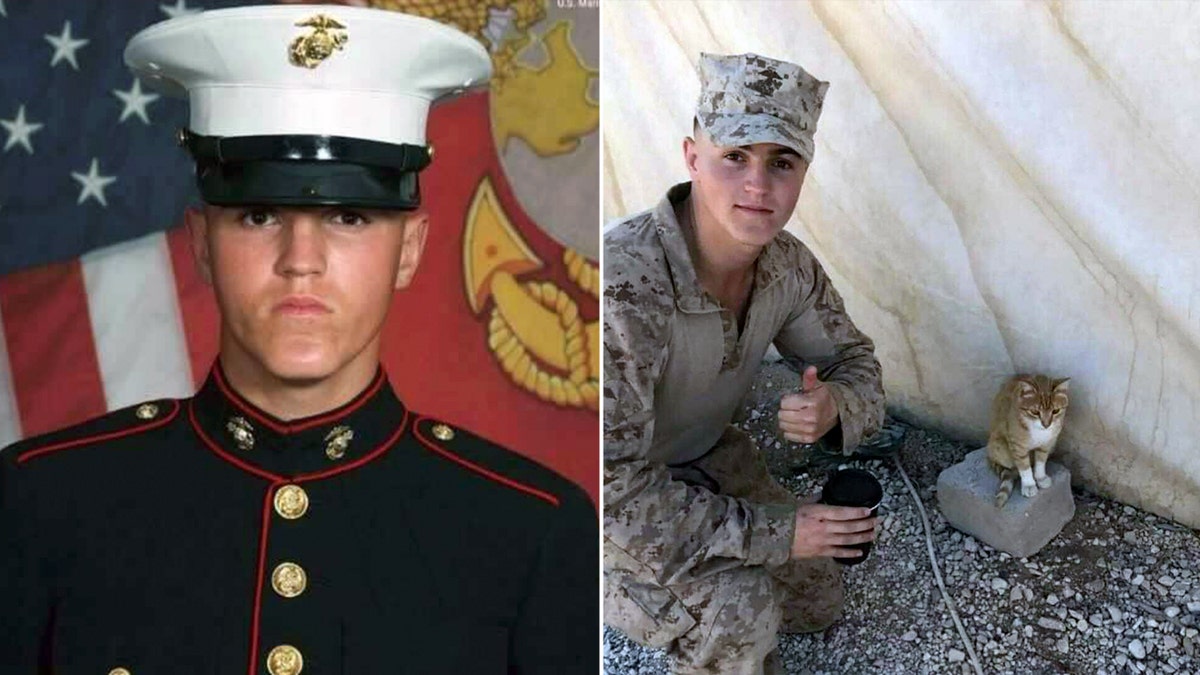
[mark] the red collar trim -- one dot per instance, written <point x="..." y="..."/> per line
<point x="487" y="473"/>
<point x="300" y="478"/>
<point x="303" y="424"/>
<point x="38" y="452"/>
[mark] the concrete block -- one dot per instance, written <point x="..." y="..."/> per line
<point x="966" y="495"/>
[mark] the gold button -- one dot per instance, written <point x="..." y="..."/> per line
<point x="285" y="660"/>
<point x="147" y="411"/>
<point x="291" y="501"/>
<point x="443" y="432"/>
<point x="289" y="579"/>
<point x="118" y="671"/>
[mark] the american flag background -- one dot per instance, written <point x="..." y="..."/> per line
<point x="100" y="306"/>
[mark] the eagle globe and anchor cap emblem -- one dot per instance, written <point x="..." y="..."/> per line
<point x="540" y="334"/>
<point x="327" y="36"/>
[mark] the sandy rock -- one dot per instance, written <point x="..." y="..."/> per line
<point x="966" y="493"/>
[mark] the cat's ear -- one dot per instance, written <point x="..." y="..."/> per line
<point x="1061" y="385"/>
<point x="1025" y="388"/>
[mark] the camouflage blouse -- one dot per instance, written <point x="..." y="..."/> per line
<point x="676" y="368"/>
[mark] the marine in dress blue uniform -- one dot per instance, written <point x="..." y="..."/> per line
<point x="206" y="535"/>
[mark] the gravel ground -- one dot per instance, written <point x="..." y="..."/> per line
<point x="1118" y="591"/>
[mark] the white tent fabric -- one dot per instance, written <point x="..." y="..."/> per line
<point x="998" y="187"/>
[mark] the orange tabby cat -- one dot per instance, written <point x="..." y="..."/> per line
<point x="1027" y="417"/>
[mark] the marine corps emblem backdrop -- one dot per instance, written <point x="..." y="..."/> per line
<point x="100" y="306"/>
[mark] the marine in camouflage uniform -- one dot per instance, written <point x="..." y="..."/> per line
<point x="697" y="535"/>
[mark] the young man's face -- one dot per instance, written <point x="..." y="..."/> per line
<point x="303" y="292"/>
<point x="749" y="190"/>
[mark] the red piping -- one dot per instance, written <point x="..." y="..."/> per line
<point x="301" y="478"/>
<point x="276" y="481"/>
<point x="248" y="408"/>
<point x="245" y="466"/>
<point x="325" y="473"/>
<point x="258" y="582"/>
<point x="21" y="459"/>
<point x="545" y="496"/>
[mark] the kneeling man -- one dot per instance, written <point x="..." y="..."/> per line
<point x="704" y="553"/>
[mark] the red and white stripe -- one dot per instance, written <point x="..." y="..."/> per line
<point x="10" y="424"/>
<point x="134" y="311"/>
<point x="103" y="332"/>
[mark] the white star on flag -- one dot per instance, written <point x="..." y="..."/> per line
<point x="65" y="46"/>
<point x="180" y="8"/>
<point x="93" y="184"/>
<point x="135" y="101"/>
<point x="19" y="130"/>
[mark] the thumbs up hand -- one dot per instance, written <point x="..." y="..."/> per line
<point x="806" y="416"/>
<point x="808" y="380"/>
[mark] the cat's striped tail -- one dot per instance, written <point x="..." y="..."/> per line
<point x="1008" y="481"/>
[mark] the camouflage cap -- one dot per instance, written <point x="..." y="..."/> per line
<point x="747" y="98"/>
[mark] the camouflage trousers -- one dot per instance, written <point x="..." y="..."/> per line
<point x="727" y="623"/>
